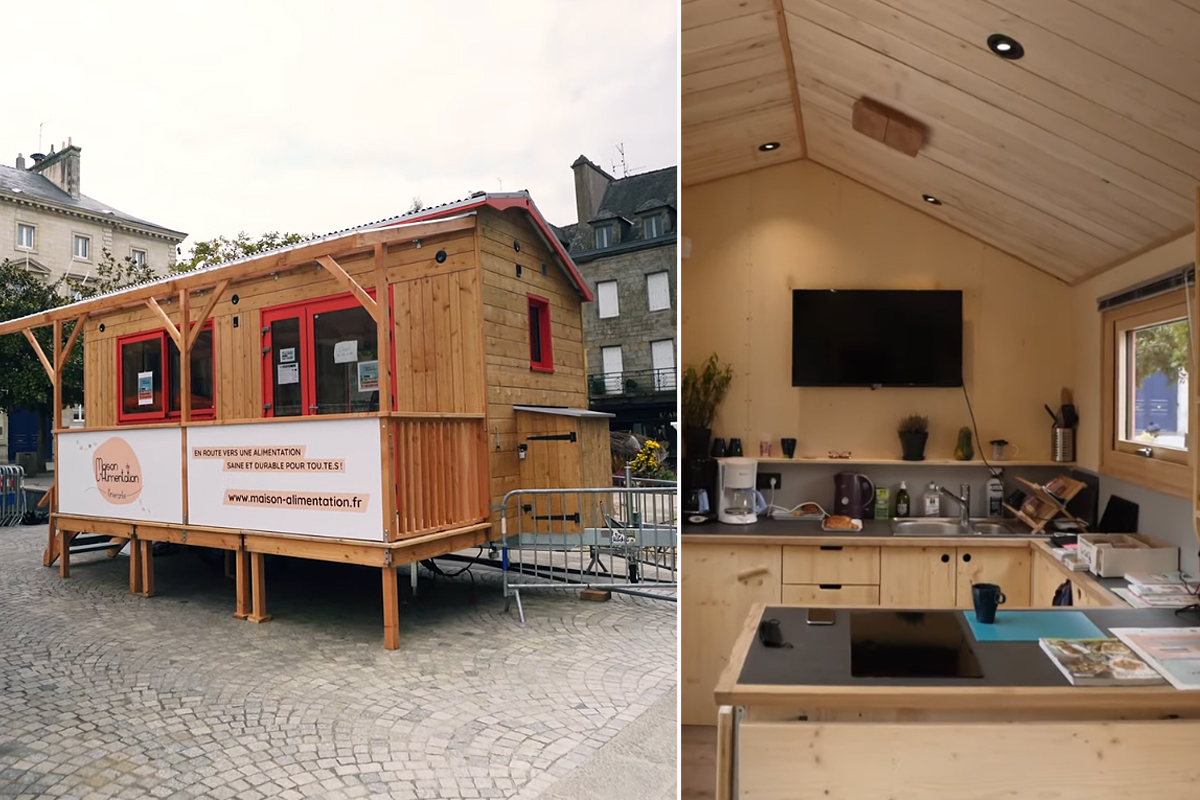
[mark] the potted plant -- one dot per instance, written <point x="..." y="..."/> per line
<point x="703" y="391"/>
<point x="914" y="432"/>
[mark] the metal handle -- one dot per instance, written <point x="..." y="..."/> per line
<point x="1148" y="452"/>
<point x="831" y="547"/>
<point x="753" y="572"/>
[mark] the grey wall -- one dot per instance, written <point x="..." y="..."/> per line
<point x="1162" y="515"/>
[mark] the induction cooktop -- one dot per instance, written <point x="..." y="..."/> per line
<point x="911" y="644"/>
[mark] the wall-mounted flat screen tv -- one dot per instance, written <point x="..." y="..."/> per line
<point x="876" y="338"/>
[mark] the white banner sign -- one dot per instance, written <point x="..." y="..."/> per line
<point x="134" y="474"/>
<point x="320" y="478"/>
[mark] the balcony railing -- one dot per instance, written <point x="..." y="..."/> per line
<point x="631" y="385"/>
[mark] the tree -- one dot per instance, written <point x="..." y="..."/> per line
<point x="109" y="276"/>
<point x="1161" y="348"/>
<point x="210" y="252"/>
<point x="415" y="206"/>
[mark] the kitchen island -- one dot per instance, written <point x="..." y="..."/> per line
<point x="820" y="719"/>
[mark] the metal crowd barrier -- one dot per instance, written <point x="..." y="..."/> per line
<point x="12" y="494"/>
<point x="623" y="539"/>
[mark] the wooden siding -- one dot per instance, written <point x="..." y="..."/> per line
<point x="510" y="381"/>
<point x="441" y="474"/>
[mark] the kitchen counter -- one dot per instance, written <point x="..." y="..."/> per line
<point x="794" y="723"/>
<point x="875" y="533"/>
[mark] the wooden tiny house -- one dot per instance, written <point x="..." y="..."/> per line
<point x="351" y="398"/>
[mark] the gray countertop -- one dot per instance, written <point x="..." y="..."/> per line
<point x="820" y="654"/>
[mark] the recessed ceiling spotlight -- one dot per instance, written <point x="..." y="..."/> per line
<point x="933" y="201"/>
<point x="769" y="146"/>
<point x="1005" y="46"/>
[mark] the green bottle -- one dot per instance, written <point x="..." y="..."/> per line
<point x="902" y="501"/>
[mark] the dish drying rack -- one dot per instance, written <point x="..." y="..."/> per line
<point x="1048" y="502"/>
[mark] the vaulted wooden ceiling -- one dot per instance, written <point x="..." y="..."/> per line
<point x="1072" y="158"/>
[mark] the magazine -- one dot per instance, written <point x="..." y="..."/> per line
<point x="1174" y="652"/>
<point x="1099" y="662"/>
<point x="1131" y="598"/>
<point x="1157" y="578"/>
<point x="1162" y="590"/>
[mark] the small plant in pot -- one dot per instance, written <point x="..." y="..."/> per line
<point x="703" y="391"/>
<point x="914" y="432"/>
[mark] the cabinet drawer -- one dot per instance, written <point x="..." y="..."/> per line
<point x="845" y="565"/>
<point x="830" y="594"/>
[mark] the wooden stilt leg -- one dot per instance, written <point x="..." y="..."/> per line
<point x="241" y="560"/>
<point x="64" y="553"/>
<point x="258" y="589"/>
<point x="391" y="609"/>
<point x="51" y="554"/>
<point x="135" y="566"/>
<point x="228" y="563"/>
<point x="147" y="568"/>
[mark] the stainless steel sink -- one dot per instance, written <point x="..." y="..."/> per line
<point x="949" y="526"/>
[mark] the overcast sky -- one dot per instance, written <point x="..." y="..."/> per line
<point x="226" y="115"/>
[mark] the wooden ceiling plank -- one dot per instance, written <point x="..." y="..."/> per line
<point x="729" y="32"/>
<point x="975" y="70"/>
<point x="856" y="68"/>
<point x="1141" y="251"/>
<point x="730" y="147"/>
<point x="1067" y="64"/>
<point x="996" y="168"/>
<point x="698" y="13"/>
<point x="736" y="99"/>
<point x="781" y="20"/>
<point x="1166" y="22"/>
<point x="1118" y="43"/>
<point x="765" y="65"/>
<point x="959" y="192"/>
<point x="732" y="54"/>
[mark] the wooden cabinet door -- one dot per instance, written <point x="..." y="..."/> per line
<point x="916" y="577"/>
<point x="1079" y="597"/>
<point x="1007" y="567"/>
<point x="718" y="585"/>
<point x="1044" y="581"/>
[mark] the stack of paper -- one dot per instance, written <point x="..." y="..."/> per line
<point x="1173" y="652"/>
<point x="1159" y="590"/>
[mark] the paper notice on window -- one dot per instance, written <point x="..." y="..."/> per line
<point x="145" y="388"/>
<point x="368" y="376"/>
<point x="345" y="352"/>
<point x="288" y="373"/>
<point x="287" y="355"/>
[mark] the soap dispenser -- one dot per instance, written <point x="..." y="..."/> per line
<point x="933" y="501"/>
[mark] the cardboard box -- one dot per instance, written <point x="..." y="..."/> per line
<point x="1114" y="554"/>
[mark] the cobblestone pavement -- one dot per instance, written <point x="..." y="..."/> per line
<point x="104" y="695"/>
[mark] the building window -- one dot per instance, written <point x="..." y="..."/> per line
<point x="606" y="299"/>
<point x="652" y="226"/>
<point x="541" y="357"/>
<point x="658" y="290"/>
<point x="83" y="247"/>
<point x="1144" y="394"/>
<point x="320" y="356"/>
<point x="662" y="357"/>
<point x="26" y="236"/>
<point x="143" y="372"/>
<point x="614" y="369"/>
<point x="138" y="257"/>
<point x="604" y="236"/>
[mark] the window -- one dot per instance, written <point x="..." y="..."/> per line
<point x="662" y="356"/>
<point x="144" y="372"/>
<point x="541" y="357"/>
<point x="83" y="247"/>
<point x="1144" y="394"/>
<point x="138" y="257"/>
<point x="658" y="289"/>
<point x="607" y="300"/>
<point x="320" y="357"/>
<point x="25" y="236"/>
<point x="604" y="236"/>
<point x="652" y="226"/>
<point x="614" y="369"/>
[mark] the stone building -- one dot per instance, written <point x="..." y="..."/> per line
<point x="625" y="244"/>
<point x="54" y="230"/>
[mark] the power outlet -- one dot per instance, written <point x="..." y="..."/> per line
<point x="764" y="480"/>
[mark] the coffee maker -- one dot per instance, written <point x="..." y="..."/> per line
<point x="737" y="496"/>
<point x="699" y="478"/>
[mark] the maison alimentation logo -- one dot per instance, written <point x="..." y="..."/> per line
<point x="117" y="471"/>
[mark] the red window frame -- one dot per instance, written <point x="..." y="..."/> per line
<point x="545" y="360"/>
<point x="124" y="417"/>
<point x="304" y="309"/>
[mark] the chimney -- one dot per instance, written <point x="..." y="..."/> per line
<point x="61" y="168"/>
<point x="20" y="161"/>
<point x="590" y="183"/>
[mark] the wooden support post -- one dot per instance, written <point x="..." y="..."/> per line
<point x="242" y="562"/>
<point x="386" y="440"/>
<point x="147" y="567"/>
<point x="194" y="333"/>
<point x="37" y="348"/>
<point x="391" y="609"/>
<point x="153" y="305"/>
<point x="64" y="553"/>
<point x="258" y="589"/>
<point x="70" y="345"/>
<point x="228" y="564"/>
<point x="51" y="554"/>
<point x="341" y="276"/>
<point x="135" y="566"/>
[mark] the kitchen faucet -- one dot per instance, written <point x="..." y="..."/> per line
<point x="964" y="503"/>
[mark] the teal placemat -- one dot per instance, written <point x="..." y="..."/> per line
<point x="1029" y="626"/>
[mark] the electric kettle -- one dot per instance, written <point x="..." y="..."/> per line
<point x="853" y="495"/>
